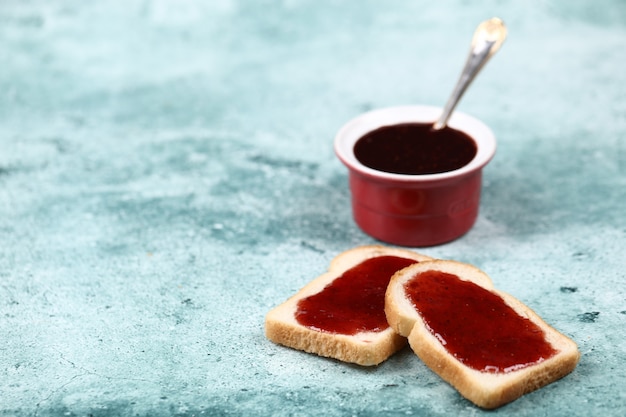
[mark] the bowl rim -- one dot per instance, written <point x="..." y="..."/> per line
<point x="364" y="123"/>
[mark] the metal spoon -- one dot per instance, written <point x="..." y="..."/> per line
<point x="487" y="39"/>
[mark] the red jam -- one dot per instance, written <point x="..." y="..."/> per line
<point x="415" y="149"/>
<point x="353" y="302"/>
<point x="475" y="325"/>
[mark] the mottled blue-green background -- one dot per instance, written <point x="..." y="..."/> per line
<point x="167" y="177"/>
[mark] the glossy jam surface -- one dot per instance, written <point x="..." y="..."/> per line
<point x="476" y="325"/>
<point x="353" y="302"/>
<point x="414" y="149"/>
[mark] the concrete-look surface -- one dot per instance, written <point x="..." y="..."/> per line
<point x="167" y="177"/>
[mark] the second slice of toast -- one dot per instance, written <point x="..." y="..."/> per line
<point x="484" y="342"/>
<point x="340" y="314"/>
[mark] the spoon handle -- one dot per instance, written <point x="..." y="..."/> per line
<point x="487" y="39"/>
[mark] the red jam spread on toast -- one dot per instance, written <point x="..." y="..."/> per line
<point x="355" y="301"/>
<point x="475" y="325"/>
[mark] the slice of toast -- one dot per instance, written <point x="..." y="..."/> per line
<point x="484" y="342"/>
<point x="337" y="331"/>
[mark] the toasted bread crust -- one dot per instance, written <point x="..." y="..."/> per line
<point x="366" y="348"/>
<point x="486" y="390"/>
<point x="366" y="351"/>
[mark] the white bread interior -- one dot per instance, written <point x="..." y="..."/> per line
<point x="487" y="390"/>
<point x="365" y="348"/>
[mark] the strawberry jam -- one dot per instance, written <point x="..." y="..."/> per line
<point x="476" y="326"/>
<point x="415" y="149"/>
<point x="353" y="302"/>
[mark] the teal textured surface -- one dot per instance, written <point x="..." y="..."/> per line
<point x="167" y="177"/>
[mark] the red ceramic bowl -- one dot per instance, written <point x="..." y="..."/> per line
<point x="414" y="210"/>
